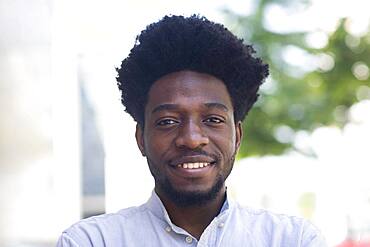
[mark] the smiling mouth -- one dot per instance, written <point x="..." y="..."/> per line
<point x="193" y="169"/>
<point x="193" y="165"/>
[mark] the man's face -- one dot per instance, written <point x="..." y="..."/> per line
<point x="190" y="138"/>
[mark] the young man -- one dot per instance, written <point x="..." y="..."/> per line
<point x="189" y="83"/>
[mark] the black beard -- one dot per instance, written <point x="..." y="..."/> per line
<point x="195" y="198"/>
<point x="187" y="199"/>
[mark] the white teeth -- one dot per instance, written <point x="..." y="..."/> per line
<point x="194" y="165"/>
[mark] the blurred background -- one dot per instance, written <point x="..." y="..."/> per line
<point x="67" y="149"/>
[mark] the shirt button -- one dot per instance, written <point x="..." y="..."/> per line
<point x="188" y="239"/>
<point x="221" y="225"/>
<point x="168" y="228"/>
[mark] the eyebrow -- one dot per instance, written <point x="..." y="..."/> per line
<point x="217" y="106"/>
<point x="168" y="107"/>
<point x="165" y="107"/>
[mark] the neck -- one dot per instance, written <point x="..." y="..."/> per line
<point x="194" y="219"/>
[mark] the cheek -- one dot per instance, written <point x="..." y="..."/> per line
<point x="230" y="139"/>
<point x="156" y="146"/>
<point x="226" y="145"/>
<point x="151" y="148"/>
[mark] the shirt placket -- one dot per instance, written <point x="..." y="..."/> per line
<point x="211" y="235"/>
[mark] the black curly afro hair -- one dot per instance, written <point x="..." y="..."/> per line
<point x="177" y="43"/>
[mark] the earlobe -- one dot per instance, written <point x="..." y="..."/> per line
<point x="140" y="139"/>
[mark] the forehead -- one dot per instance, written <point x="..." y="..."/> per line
<point x="188" y="88"/>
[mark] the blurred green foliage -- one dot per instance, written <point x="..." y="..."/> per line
<point x="295" y="98"/>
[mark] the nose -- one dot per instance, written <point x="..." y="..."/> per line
<point x="191" y="136"/>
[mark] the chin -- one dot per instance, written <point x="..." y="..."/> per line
<point x="193" y="196"/>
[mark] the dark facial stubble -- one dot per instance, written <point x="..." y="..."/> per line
<point x="194" y="198"/>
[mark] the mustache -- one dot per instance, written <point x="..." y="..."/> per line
<point x="194" y="153"/>
<point x="197" y="152"/>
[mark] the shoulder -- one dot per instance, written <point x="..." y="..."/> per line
<point x="108" y="220"/>
<point x="102" y="228"/>
<point x="268" y="218"/>
<point x="288" y="229"/>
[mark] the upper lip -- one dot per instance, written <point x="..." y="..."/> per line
<point x="192" y="159"/>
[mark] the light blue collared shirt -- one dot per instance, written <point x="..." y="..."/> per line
<point x="150" y="225"/>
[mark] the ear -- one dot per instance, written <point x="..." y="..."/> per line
<point x="238" y="135"/>
<point x="139" y="134"/>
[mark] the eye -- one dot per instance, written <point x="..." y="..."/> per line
<point x="214" y="120"/>
<point x="166" y="122"/>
